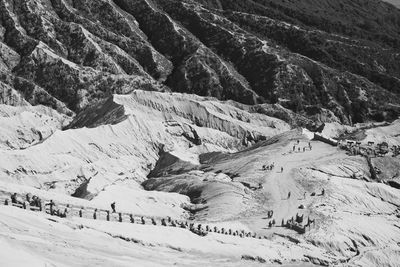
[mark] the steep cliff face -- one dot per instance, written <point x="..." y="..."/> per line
<point x="68" y="54"/>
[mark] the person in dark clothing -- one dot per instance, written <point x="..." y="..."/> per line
<point x="281" y="169"/>
<point x="38" y="202"/>
<point x="288" y="195"/>
<point x="51" y="204"/>
<point x="113" y="207"/>
<point x="14" y="198"/>
<point x="33" y="202"/>
<point x="323" y="192"/>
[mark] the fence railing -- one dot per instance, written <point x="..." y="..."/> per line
<point x="70" y="210"/>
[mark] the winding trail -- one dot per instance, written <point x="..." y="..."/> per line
<point x="276" y="184"/>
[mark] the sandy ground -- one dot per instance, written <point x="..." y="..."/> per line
<point x="82" y="242"/>
<point x="277" y="184"/>
<point x="356" y="220"/>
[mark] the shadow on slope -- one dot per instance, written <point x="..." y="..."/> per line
<point x="104" y="112"/>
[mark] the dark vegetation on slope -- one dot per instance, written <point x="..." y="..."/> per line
<point x="372" y="20"/>
<point x="336" y="60"/>
<point x="373" y="28"/>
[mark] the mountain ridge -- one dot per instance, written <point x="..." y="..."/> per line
<point x="70" y="54"/>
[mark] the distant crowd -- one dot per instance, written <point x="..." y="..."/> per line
<point x="33" y="201"/>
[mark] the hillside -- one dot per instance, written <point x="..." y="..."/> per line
<point x="199" y="132"/>
<point x="312" y="57"/>
<point x="196" y="159"/>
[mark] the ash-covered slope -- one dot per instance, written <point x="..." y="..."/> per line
<point x="162" y="141"/>
<point x="67" y="53"/>
<point x="120" y="139"/>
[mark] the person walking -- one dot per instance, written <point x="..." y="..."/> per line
<point x="113" y="207"/>
<point x="52" y="205"/>
<point x="28" y="197"/>
<point x="288" y="195"/>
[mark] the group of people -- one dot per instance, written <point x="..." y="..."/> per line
<point x="32" y="200"/>
<point x="35" y="201"/>
<point x="368" y="150"/>
<point x="54" y="210"/>
<point x="304" y="148"/>
<point x="271" y="223"/>
<point x="305" y="194"/>
<point x="268" y="167"/>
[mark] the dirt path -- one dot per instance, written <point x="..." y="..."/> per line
<point x="277" y="184"/>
